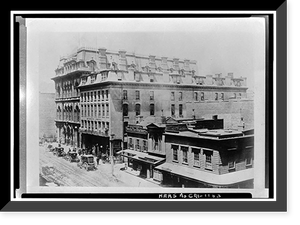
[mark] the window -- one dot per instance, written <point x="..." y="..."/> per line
<point x="95" y="108"/>
<point x="231" y="165"/>
<point x="130" y="143"/>
<point x="208" y="160"/>
<point x="125" y="97"/>
<point x="92" y="111"/>
<point x="106" y="94"/>
<point x="180" y="110"/>
<point x="240" y="95"/>
<point x="184" y="154"/>
<point x="172" y="96"/>
<point x="180" y="96"/>
<point x="151" y="109"/>
<point x="102" y="93"/>
<point x="175" y="152"/>
<point x="88" y="110"/>
<point x="99" y="110"/>
<point x="222" y="96"/>
<point x="172" y="110"/>
<point x="216" y="96"/>
<point x="144" y="145"/>
<point x="125" y="110"/>
<point x="98" y="95"/>
<point x="137" y="144"/>
<point x="151" y="95"/>
<point x="137" y="95"/>
<point x="137" y="77"/>
<point x="88" y="96"/>
<point x="107" y="126"/>
<point x="196" y="96"/>
<point x="196" y="157"/>
<point x="137" y="109"/>
<point x="91" y="96"/>
<point x="103" y="110"/>
<point x="202" y="96"/>
<point x="84" y="98"/>
<point x="248" y="161"/>
<point x="107" y="110"/>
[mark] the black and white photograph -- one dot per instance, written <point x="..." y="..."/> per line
<point x="147" y="104"/>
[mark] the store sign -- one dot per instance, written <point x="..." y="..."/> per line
<point x="176" y="127"/>
<point x="136" y="129"/>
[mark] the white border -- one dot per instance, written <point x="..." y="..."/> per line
<point x="146" y="12"/>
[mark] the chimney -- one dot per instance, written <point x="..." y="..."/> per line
<point x="230" y="75"/>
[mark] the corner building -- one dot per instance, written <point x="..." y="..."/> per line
<point x="118" y="88"/>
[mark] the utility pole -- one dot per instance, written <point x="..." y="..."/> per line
<point x="112" y="136"/>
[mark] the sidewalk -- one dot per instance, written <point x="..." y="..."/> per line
<point x="126" y="176"/>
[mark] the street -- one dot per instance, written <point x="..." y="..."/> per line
<point x="56" y="171"/>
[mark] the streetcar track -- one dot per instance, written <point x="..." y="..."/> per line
<point x="68" y="174"/>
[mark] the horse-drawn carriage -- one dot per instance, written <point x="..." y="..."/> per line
<point x="87" y="162"/>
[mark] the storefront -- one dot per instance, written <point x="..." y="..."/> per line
<point x="141" y="162"/>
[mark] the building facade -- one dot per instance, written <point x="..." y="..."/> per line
<point x="208" y="158"/>
<point x="191" y="153"/>
<point x="99" y="92"/>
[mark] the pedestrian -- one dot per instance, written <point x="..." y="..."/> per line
<point x="97" y="159"/>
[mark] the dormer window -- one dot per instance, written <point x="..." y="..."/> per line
<point x="137" y="77"/>
<point x="84" y="79"/>
<point x="93" y="78"/>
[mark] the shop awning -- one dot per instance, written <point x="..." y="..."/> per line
<point x="224" y="179"/>
<point x="141" y="156"/>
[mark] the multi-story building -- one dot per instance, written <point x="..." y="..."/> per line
<point x="102" y="91"/>
<point x="126" y="88"/>
<point x="67" y="80"/>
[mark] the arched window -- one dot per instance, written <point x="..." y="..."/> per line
<point x="125" y="109"/>
<point x="152" y="110"/>
<point x="137" y="109"/>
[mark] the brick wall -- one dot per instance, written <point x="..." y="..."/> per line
<point x="231" y="111"/>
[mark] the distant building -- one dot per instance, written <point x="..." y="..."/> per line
<point x="47" y="115"/>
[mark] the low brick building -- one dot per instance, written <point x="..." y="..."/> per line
<point x="191" y="152"/>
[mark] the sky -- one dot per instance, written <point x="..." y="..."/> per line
<point x="219" y="45"/>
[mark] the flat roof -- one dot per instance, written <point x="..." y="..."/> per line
<point x="207" y="177"/>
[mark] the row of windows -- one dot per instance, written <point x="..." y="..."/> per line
<point x="184" y="150"/>
<point x="137" y="144"/>
<point x="138" y="109"/>
<point x="198" y="96"/>
<point x="95" y="125"/>
<point x="94" y="96"/>
<point x="152" y="109"/>
<point x="95" y="110"/>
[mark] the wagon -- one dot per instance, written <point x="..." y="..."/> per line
<point x="72" y="157"/>
<point x="87" y="162"/>
<point x="59" y="151"/>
